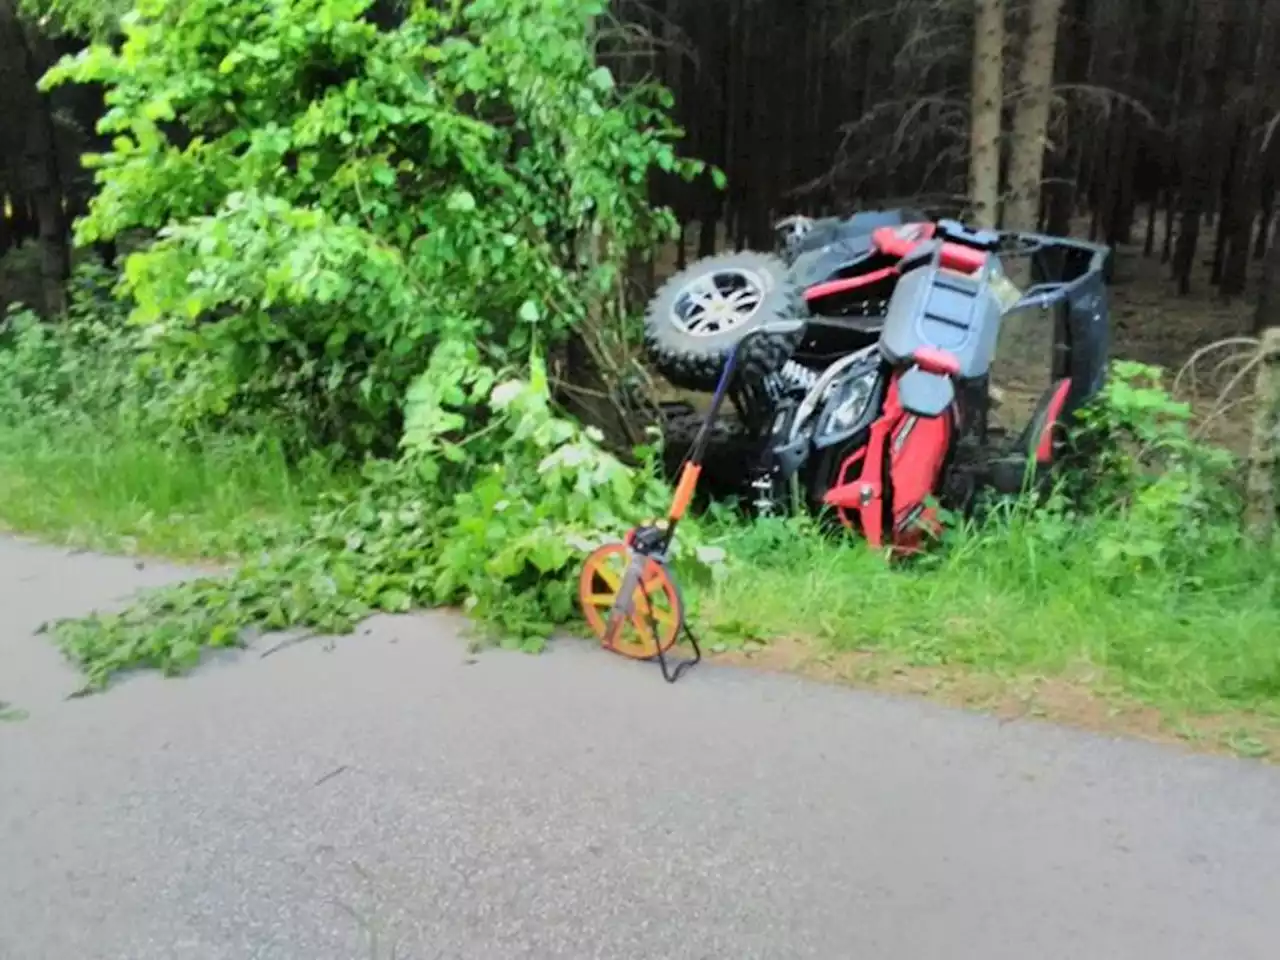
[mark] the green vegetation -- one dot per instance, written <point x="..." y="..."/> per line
<point x="84" y="459"/>
<point x="360" y="253"/>
<point x="1141" y="580"/>
<point x="1023" y="597"/>
<point x="111" y="490"/>
<point x="361" y="241"/>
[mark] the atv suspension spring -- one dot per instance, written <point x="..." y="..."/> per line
<point x="764" y="502"/>
<point x="798" y="376"/>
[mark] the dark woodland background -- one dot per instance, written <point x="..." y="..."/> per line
<point x="1162" y="137"/>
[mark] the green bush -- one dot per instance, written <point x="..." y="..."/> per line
<point x="333" y="200"/>
<point x="507" y="550"/>
<point x="1161" y="504"/>
<point x="364" y="238"/>
<point x="82" y="366"/>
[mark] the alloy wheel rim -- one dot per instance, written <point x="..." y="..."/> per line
<point x="718" y="302"/>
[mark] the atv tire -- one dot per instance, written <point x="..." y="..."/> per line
<point x="694" y="361"/>
<point x="727" y="461"/>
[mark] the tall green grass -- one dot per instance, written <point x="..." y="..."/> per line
<point x="95" y="485"/>
<point x="1002" y="599"/>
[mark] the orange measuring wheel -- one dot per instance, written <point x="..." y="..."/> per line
<point x="626" y="592"/>
<point x="646" y="624"/>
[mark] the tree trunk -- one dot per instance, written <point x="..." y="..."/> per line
<point x="1234" y="183"/>
<point x="1266" y="313"/>
<point x="1264" y="217"/>
<point x="1031" y="117"/>
<point x="987" y="103"/>
<point x="1238" y="227"/>
<point x="1255" y="58"/>
<point x="6" y="232"/>
<point x="1253" y="188"/>
<point x="1067" y="160"/>
<point x="1203" y="144"/>
<point x="41" y="169"/>
<point x="1149" y="241"/>
<point x="1170" y="202"/>
<point x="1260" y="487"/>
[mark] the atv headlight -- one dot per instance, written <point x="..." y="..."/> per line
<point x="848" y="404"/>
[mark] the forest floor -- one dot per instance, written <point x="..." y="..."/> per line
<point x="1152" y="324"/>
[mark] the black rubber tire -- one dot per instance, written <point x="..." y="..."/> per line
<point x="695" y="363"/>
<point x="728" y="458"/>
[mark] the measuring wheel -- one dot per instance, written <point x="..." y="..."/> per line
<point x="641" y="626"/>
<point x="626" y="592"/>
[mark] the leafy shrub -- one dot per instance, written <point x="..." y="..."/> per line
<point x="1158" y="499"/>
<point x="334" y="199"/>
<point x="81" y="366"/>
<point x="508" y="550"/>
<point x="362" y="231"/>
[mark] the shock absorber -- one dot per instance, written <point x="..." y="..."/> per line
<point x="782" y="389"/>
<point x="764" y="503"/>
<point x="798" y="377"/>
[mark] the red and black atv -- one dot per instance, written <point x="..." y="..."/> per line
<point x="881" y="401"/>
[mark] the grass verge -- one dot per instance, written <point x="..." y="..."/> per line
<point x="1000" y="622"/>
<point x="111" y="490"/>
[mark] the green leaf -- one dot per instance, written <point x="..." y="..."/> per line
<point x="461" y="201"/>
<point x="395" y="601"/>
<point x="602" y="79"/>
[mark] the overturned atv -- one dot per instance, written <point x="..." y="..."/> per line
<point x="880" y="402"/>
<point x="703" y="312"/>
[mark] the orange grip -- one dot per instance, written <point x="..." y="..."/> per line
<point x="684" y="490"/>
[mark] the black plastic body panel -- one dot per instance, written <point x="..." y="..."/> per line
<point x="1074" y="275"/>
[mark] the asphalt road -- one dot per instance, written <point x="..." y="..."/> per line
<point x="390" y="785"/>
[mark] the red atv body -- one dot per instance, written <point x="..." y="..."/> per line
<point x="937" y="344"/>
<point x="879" y="407"/>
